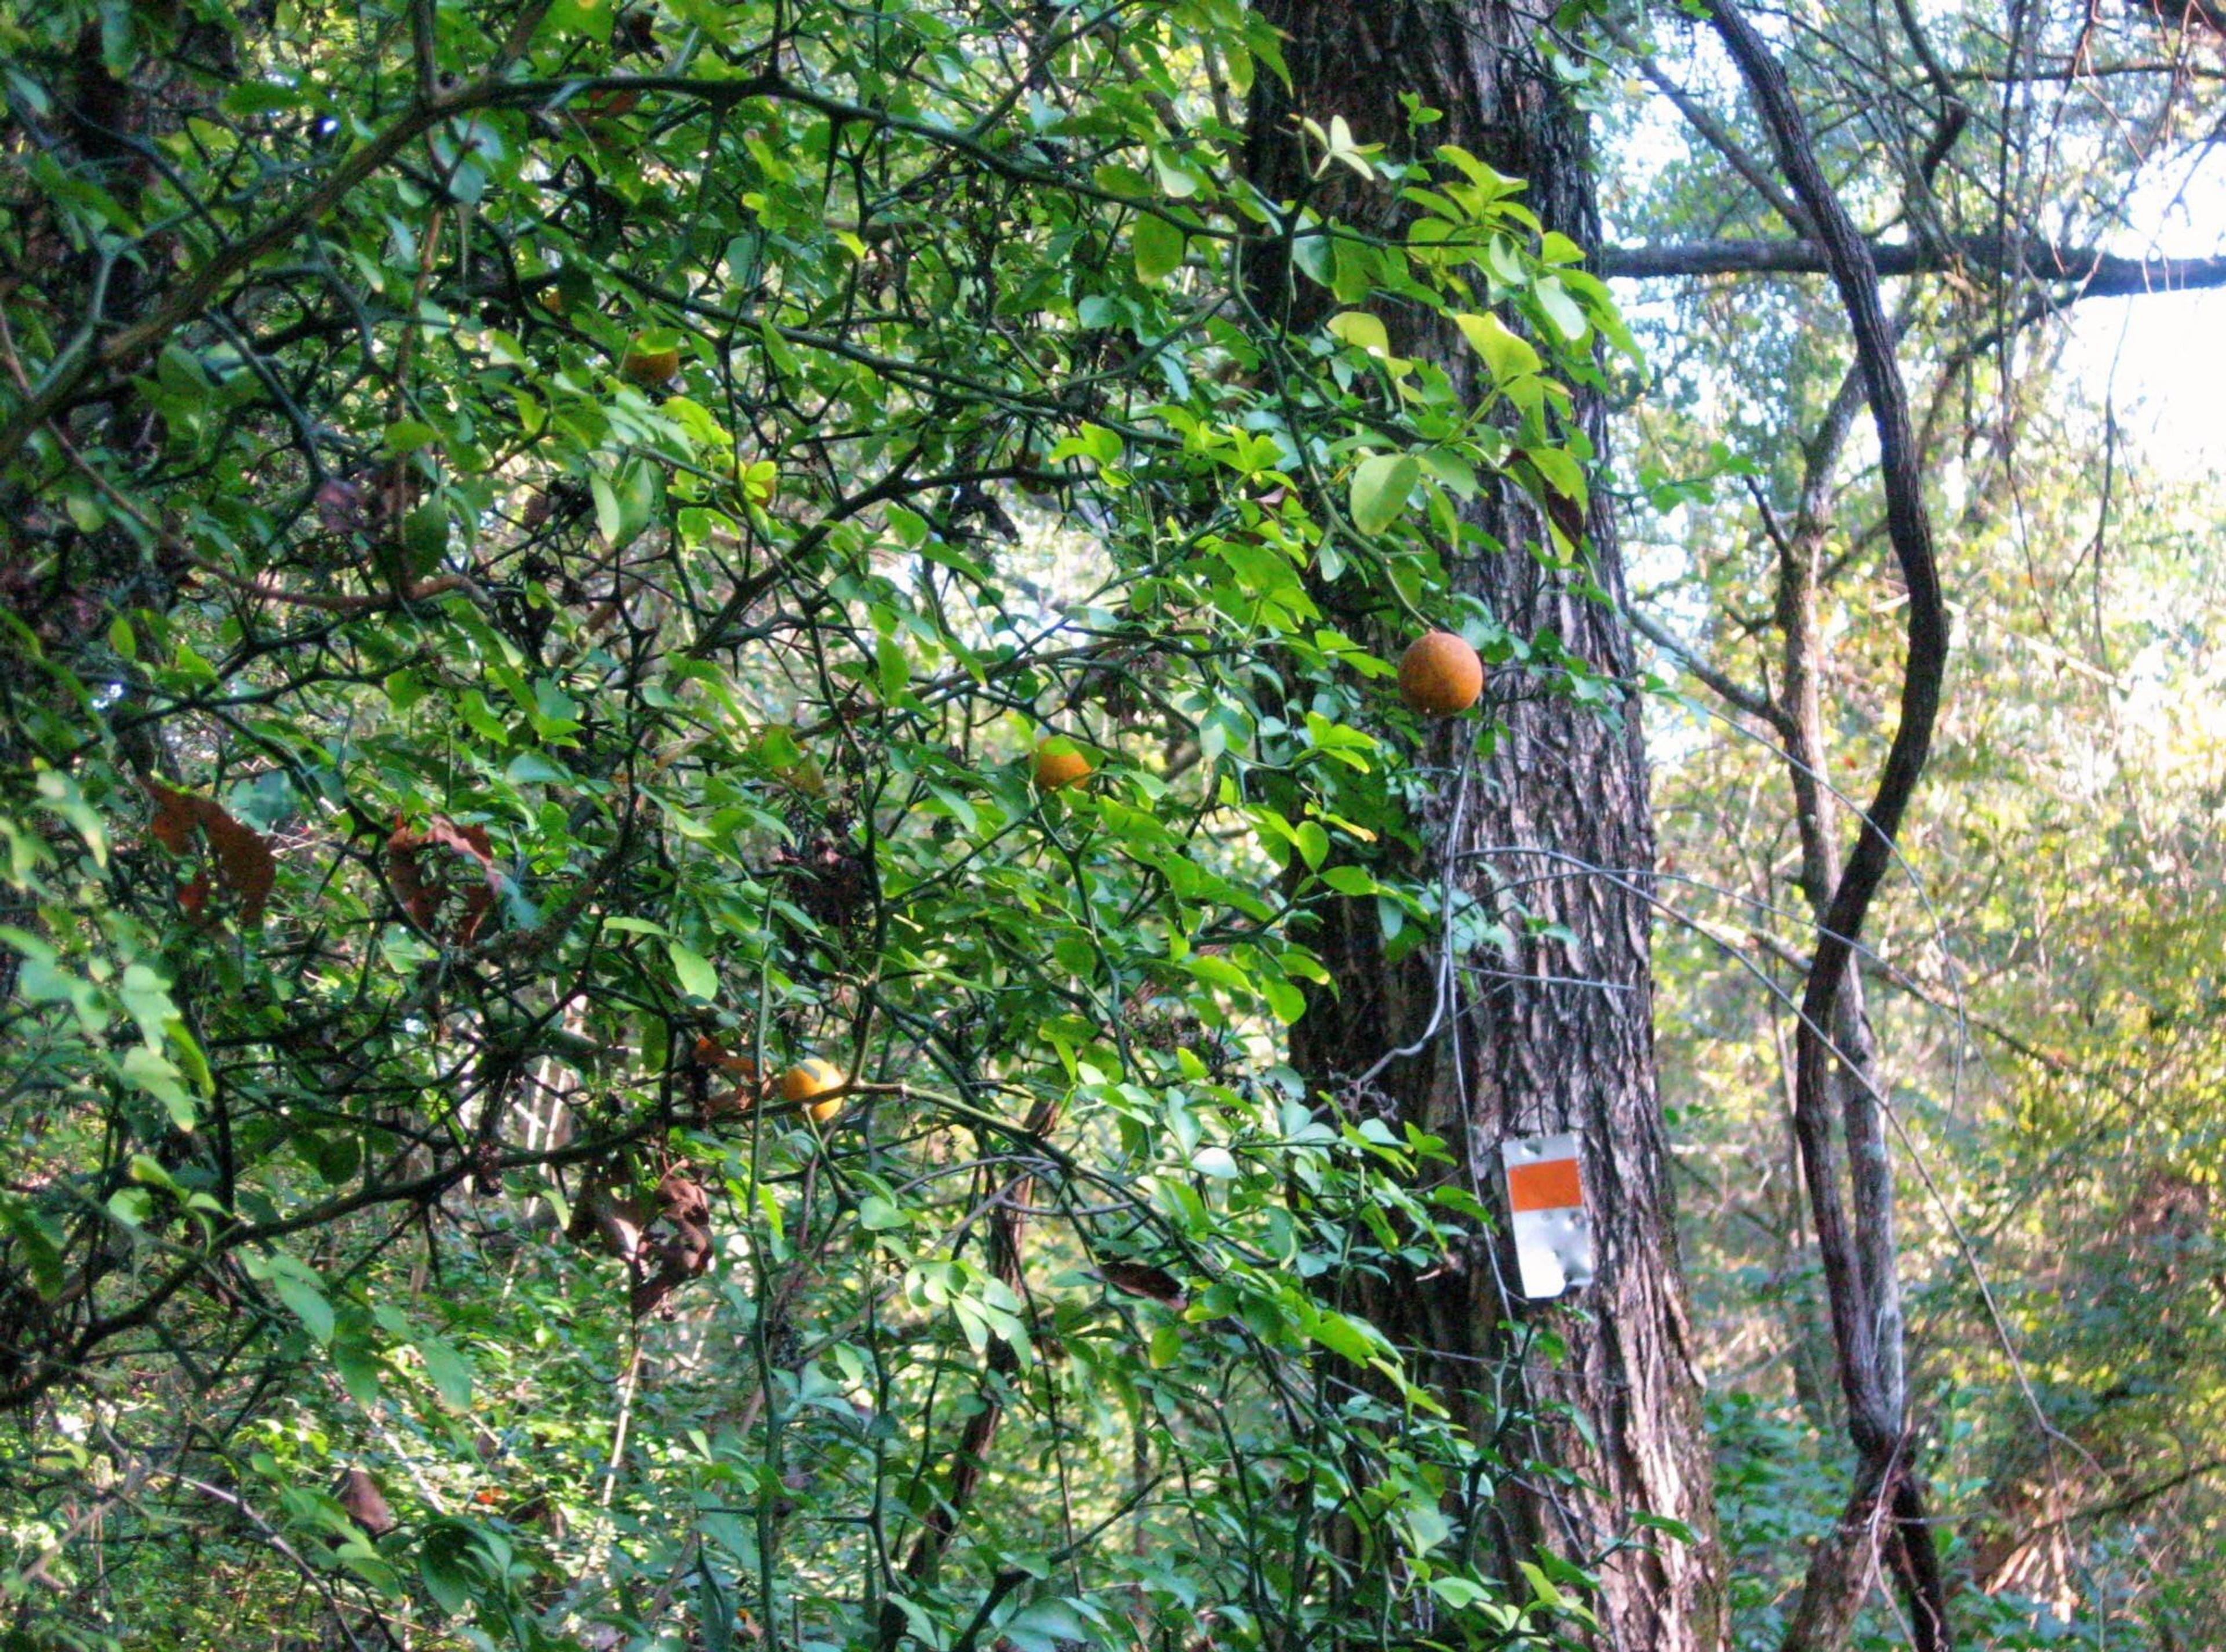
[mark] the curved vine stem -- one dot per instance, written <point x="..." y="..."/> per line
<point x="1858" y="1254"/>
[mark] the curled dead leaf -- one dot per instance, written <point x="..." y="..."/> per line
<point x="359" y="1496"/>
<point x="682" y="1198"/>
<point x="425" y="889"/>
<point x="679" y="1248"/>
<point x="1140" y="1278"/>
<point x="620" y="1222"/>
<point x="339" y="506"/>
<point x="714" y="1061"/>
<point x="240" y="855"/>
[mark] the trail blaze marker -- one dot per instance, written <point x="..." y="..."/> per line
<point x="1546" y="1200"/>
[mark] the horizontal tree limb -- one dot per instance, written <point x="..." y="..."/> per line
<point x="2098" y="274"/>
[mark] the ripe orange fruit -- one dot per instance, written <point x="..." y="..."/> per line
<point x="648" y="368"/>
<point x="808" y="1080"/>
<point x="1059" y="764"/>
<point x="1440" y="675"/>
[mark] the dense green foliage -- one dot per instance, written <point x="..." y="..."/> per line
<point x="541" y="545"/>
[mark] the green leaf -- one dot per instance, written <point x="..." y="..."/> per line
<point x="1166" y="1346"/>
<point x="38" y="1240"/>
<point x="590" y="18"/>
<point x="1561" y="309"/>
<point x="714" y="1607"/>
<point x="450" y="1371"/>
<point x="1176" y="181"/>
<point x="359" y="1367"/>
<point x="610" y="521"/>
<point x="626" y="505"/>
<point x="1341" y="1336"/>
<point x="1380" y="487"/>
<point x="297" y="1285"/>
<point x="1549" y="1595"/>
<point x="1362" y="330"/>
<point x="1426" y="1526"/>
<point x="1343" y="150"/>
<point x="1044" y="1626"/>
<point x="531" y="767"/>
<point x="1459" y="1592"/>
<point x="877" y="1215"/>
<point x="1123" y="181"/>
<point x="1158" y="246"/>
<point x="446" y="1565"/>
<point x="1561" y="473"/>
<point x="693" y="971"/>
<point x="58" y="792"/>
<point x="307" y="1302"/>
<point x="1284" y="1002"/>
<point x="1507" y="355"/>
<point x="248" y="98"/>
<point x="152" y="1071"/>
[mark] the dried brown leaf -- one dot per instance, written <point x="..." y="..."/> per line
<point x="359" y="1496"/>
<point x="1140" y="1278"/>
<point x="242" y="857"/>
<point x="424" y="890"/>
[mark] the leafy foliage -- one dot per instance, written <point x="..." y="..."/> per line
<point x="542" y="541"/>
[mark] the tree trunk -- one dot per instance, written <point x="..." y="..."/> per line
<point x="1842" y="1566"/>
<point x="1548" y="1037"/>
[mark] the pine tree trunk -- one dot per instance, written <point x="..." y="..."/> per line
<point x="1551" y="1036"/>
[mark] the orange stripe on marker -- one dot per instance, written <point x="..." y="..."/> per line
<point x="1545" y="1185"/>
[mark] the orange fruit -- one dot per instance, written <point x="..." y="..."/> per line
<point x="648" y="368"/>
<point x="809" y="1080"/>
<point x="1440" y="675"/>
<point x="1059" y="764"/>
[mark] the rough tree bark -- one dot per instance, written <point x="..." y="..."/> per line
<point x="1552" y="1036"/>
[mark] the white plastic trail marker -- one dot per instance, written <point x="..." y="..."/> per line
<point x="1546" y="1197"/>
